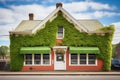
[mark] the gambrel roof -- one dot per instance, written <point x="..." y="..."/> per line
<point x="32" y="26"/>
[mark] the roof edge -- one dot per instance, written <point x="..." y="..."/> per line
<point x="53" y="13"/>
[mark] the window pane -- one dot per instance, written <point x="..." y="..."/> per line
<point x="37" y="59"/>
<point x="46" y="59"/>
<point x="60" y="57"/>
<point x="82" y="58"/>
<point x="60" y="35"/>
<point x="60" y="29"/>
<point x="74" y="59"/>
<point x="28" y="59"/>
<point x="91" y="58"/>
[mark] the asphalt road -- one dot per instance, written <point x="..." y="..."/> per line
<point x="62" y="77"/>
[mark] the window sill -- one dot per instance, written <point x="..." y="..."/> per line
<point x="83" y="65"/>
<point x="39" y="65"/>
<point x="59" y="38"/>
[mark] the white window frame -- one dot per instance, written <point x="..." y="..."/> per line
<point x="78" y="62"/>
<point x="88" y="60"/>
<point x="49" y="60"/>
<point x="34" y="61"/>
<point x="70" y="60"/>
<point x="25" y="60"/>
<point x="38" y="64"/>
<point x="63" y="33"/>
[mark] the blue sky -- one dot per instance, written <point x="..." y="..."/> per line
<point x="12" y="12"/>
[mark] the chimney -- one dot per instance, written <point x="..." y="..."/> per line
<point x="58" y="5"/>
<point x="31" y="16"/>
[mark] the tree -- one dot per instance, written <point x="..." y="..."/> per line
<point x="3" y="51"/>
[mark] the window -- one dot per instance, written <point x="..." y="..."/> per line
<point x="28" y="59"/>
<point x="37" y="58"/>
<point x="60" y="57"/>
<point x="60" y="32"/>
<point x="91" y="59"/>
<point x="83" y="58"/>
<point x="46" y="59"/>
<point x="74" y="59"/>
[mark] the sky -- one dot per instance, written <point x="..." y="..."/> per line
<point x="12" y="12"/>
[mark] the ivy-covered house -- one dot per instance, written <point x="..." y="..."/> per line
<point x="60" y="42"/>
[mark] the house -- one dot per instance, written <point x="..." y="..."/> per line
<point x="60" y="42"/>
<point x="118" y="51"/>
<point x="4" y="58"/>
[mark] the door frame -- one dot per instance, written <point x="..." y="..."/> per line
<point x="54" y="49"/>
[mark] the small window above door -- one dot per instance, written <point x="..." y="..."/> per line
<point x="59" y="57"/>
<point x="60" y="34"/>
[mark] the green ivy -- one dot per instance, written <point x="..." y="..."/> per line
<point x="73" y="37"/>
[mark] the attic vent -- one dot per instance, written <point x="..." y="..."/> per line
<point x="31" y="16"/>
<point x="58" y="5"/>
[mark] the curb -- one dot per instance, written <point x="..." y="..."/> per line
<point x="57" y="73"/>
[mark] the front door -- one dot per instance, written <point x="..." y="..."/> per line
<point x="60" y="61"/>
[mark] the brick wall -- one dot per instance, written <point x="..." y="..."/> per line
<point x="58" y="42"/>
<point x="118" y="51"/>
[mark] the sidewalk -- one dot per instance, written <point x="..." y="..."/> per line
<point x="59" y="73"/>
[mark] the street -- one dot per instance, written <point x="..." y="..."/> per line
<point x="61" y="77"/>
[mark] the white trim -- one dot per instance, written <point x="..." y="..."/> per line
<point x="75" y="22"/>
<point x="78" y="56"/>
<point x="46" y="19"/>
<point x="78" y="63"/>
<point x="69" y="59"/>
<point x="96" y="61"/>
<point x="63" y="47"/>
<point x="41" y="59"/>
<point x="49" y="17"/>
<point x="50" y="59"/>
<point x="24" y="60"/>
<point x="87" y="59"/>
<point x="32" y="59"/>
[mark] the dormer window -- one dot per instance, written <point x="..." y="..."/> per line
<point x="60" y="33"/>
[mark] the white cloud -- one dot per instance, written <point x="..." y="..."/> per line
<point x="6" y="16"/>
<point x="39" y="11"/>
<point x="100" y="14"/>
<point x="82" y="15"/>
<point x="88" y="5"/>
<point x="4" y="30"/>
<point x="81" y="10"/>
<point x="94" y="15"/>
<point x="100" y="6"/>
<point x="19" y="13"/>
<point x="76" y="6"/>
